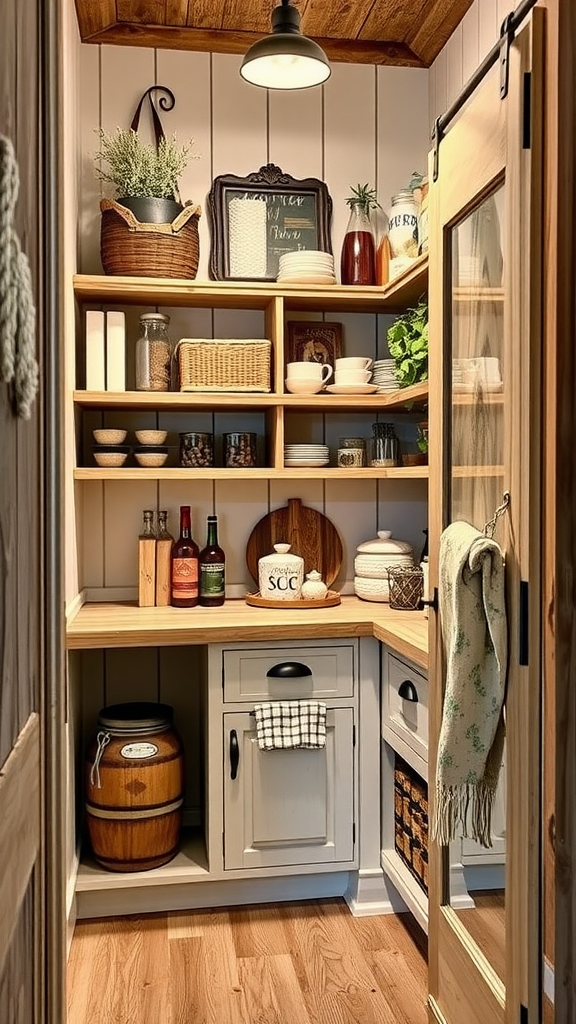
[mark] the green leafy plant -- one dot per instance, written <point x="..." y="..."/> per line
<point x="139" y="169"/>
<point x="408" y="345"/>
<point x="364" y="197"/>
<point x="422" y="440"/>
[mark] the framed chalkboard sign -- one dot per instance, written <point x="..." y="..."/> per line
<point x="258" y="218"/>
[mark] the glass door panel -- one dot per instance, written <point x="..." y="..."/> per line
<point x="476" y="449"/>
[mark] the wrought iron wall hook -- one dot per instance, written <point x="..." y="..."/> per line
<point x="166" y="102"/>
<point x="491" y="524"/>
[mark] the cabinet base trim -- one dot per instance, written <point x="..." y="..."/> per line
<point x="369" y="894"/>
<point x="162" y="898"/>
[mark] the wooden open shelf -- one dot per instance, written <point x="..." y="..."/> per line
<point x="403" y="291"/>
<point x="260" y="473"/>
<point x="164" y="401"/>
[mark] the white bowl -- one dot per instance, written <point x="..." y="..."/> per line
<point x="108" y="460"/>
<point x="109" y="435"/>
<point x="150" y="459"/>
<point x="151" y="436"/>
<point x="371" y="590"/>
<point x="299" y="386"/>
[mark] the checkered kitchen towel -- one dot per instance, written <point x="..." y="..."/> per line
<point x="291" y="724"/>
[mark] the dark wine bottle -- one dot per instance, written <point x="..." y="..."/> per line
<point x="212" y="568"/>
<point x="184" y="565"/>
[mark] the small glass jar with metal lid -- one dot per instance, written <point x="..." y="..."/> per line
<point x="153" y="353"/>
<point x="351" y="452"/>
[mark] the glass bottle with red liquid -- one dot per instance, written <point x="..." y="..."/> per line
<point x="184" y="565"/>
<point x="358" y="259"/>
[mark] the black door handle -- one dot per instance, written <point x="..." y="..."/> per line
<point x="431" y="604"/>
<point x="289" y="670"/>
<point x="408" y="691"/>
<point x="234" y="754"/>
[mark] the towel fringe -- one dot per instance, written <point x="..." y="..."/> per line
<point x="468" y="808"/>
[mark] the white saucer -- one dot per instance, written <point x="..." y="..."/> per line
<point x="351" y="389"/>
<point x="294" y="463"/>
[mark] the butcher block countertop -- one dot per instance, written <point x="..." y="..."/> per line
<point x="104" y="625"/>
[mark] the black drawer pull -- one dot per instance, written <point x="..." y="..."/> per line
<point x="408" y="691"/>
<point x="289" y="670"/>
<point x="234" y="754"/>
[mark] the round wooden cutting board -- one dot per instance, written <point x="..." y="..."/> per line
<point x="310" y="534"/>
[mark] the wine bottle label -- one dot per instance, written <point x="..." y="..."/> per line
<point x="185" y="577"/>
<point x="212" y="579"/>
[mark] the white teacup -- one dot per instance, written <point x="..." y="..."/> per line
<point x="353" y="363"/>
<point x="309" y="371"/>
<point x="352" y="376"/>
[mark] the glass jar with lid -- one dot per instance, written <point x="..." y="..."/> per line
<point x="153" y="353"/>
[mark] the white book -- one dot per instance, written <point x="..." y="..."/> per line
<point x="115" y="352"/>
<point x="95" y="358"/>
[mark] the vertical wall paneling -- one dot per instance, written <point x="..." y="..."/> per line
<point x="470" y="42"/>
<point x="199" y="494"/>
<point x="188" y="75"/>
<point x="403" y="137"/>
<point x="240" y="504"/>
<point x="403" y="508"/>
<point x="131" y="674"/>
<point x="454" y="75"/>
<point x="123" y="508"/>
<point x="488" y="26"/>
<point x="351" y="509"/>
<point x="182" y="685"/>
<point x="89" y="185"/>
<point x="239" y="122"/>
<point x="349" y="140"/>
<point x="90" y="507"/>
<point x="295" y="131"/>
<point x="439" y="89"/>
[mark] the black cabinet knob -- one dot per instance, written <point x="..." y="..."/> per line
<point x="408" y="691"/>
<point x="289" y="670"/>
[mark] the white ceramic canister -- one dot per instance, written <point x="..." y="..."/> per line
<point x="280" y="575"/>
<point x="314" y="588"/>
<point x="403" y="226"/>
<point x="373" y="559"/>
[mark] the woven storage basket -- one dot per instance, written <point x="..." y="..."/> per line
<point x="229" y="364"/>
<point x="128" y="246"/>
<point x="405" y="587"/>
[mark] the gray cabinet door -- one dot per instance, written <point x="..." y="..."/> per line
<point x="289" y="806"/>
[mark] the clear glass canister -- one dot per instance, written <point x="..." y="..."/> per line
<point x="384" y="448"/>
<point x="153" y="353"/>
<point x="351" y="452"/>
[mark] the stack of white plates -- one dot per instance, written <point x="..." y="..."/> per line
<point x="384" y="375"/>
<point x="306" y="455"/>
<point x="308" y="266"/>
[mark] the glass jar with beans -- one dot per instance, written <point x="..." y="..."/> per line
<point x="153" y="353"/>
<point x="240" y="449"/>
<point x="196" y="449"/>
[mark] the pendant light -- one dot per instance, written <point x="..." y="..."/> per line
<point x="285" y="59"/>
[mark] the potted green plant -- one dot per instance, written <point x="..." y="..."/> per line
<point x="408" y="345"/>
<point x="144" y="176"/>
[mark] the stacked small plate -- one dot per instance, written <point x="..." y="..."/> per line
<point x="308" y="266"/>
<point x="384" y="375"/>
<point x="306" y="455"/>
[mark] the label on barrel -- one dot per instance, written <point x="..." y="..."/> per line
<point x="134" y="750"/>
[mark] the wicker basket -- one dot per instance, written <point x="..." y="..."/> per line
<point x="128" y="246"/>
<point x="230" y="364"/>
<point x="405" y="587"/>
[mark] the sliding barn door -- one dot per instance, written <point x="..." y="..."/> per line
<point x="485" y="291"/>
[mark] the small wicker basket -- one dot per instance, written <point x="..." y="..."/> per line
<point x="129" y="246"/>
<point x="405" y="586"/>
<point x="229" y="364"/>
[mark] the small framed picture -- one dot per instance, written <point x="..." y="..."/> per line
<point x="313" y="341"/>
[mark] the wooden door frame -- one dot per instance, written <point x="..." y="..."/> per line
<point x="452" y="951"/>
<point x="560" y="497"/>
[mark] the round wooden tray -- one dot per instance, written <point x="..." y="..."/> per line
<point x="332" y="598"/>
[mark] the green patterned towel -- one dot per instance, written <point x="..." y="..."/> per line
<point x="474" y="632"/>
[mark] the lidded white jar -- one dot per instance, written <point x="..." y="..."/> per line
<point x="280" y="575"/>
<point x="314" y="588"/>
<point x="373" y="559"/>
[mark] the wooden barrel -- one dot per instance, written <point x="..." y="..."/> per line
<point x="135" y="787"/>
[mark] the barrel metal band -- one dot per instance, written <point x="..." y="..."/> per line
<point x="145" y="812"/>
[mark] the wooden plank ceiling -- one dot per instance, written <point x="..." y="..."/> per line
<point x="402" y="32"/>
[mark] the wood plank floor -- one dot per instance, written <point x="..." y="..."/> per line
<point x="287" y="963"/>
<point x="486" y="923"/>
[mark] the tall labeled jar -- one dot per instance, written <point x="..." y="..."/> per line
<point x="402" y="231"/>
<point x="153" y="353"/>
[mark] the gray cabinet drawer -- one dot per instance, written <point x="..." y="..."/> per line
<point x="405" y="703"/>
<point x="333" y="668"/>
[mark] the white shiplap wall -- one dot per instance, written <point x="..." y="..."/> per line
<point x="464" y="51"/>
<point x="365" y="124"/>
